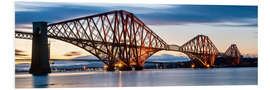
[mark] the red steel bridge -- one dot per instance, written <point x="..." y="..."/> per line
<point x="119" y="38"/>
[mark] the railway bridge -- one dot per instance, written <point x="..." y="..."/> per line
<point x="118" y="39"/>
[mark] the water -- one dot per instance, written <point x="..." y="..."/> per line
<point x="150" y="77"/>
<point x="24" y="66"/>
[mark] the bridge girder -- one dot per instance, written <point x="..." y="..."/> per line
<point x="113" y="37"/>
<point x="119" y="37"/>
<point x="233" y="55"/>
<point x="200" y="50"/>
<point x="23" y="35"/>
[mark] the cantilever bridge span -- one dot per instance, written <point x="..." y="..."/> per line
<point x="119" y="38"/>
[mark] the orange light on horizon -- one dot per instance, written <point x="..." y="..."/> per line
<point x="105" y="66"/>
<point x="193" y="66"/>
<point x="120" y="65"/>
<point x="207" y="65"/>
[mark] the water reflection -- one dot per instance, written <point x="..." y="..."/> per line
<point x="157" y="77"/>
<point x="40" y="81"/>
<point x="120" y="79"/>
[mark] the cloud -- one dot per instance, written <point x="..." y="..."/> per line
<point x="188" y="14"/>
<point x="240" y="25"/>
<point x="24" y="27"/>
<point x="243" y="23"/>
<point x="110" y="5"/>
<point x="33" y="6"/>
<point x="28" y="12"/>
<point x="19" y="53"/>
<point x="150" y="14"/>
<point x="51" y="13"/>
<point x="73" y="53"/>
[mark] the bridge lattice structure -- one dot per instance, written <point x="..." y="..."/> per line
<point x="119" y="37"/>
<point x="233" y="55"/>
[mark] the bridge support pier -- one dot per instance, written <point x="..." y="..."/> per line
<point x="125" y="68"/>
<point x="110" y="68"/>
<point x="40" y="52"/>
<point x="139" y="68"/>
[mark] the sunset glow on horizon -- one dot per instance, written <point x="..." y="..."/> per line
<point x="175" y="24"/>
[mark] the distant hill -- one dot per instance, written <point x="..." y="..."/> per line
<point x="163" y="57"/>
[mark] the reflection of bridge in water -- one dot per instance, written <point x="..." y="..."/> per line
<point x="119" y="39"/>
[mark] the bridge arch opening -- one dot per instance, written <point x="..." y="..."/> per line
<point x="187" y="59"/>
<point x="67" y="51"/>
<point x="174" y="56"/>
<point x="96" y="52"/>
<point x="169" y="59"/>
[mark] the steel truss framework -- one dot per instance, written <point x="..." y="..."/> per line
<point x="113" y="37"/>
<point x="233" y="54"/>
<point x="23" y="35"/>
<point x="201" y="51"/>
<point x="119" y="37"/>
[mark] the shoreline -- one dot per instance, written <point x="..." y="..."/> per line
<point x="103" y="70"/>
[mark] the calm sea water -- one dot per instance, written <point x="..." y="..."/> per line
<point x="150" y="77"/>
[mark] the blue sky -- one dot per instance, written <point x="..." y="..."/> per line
<point x="151" y="14"/>
<point x="174" y="23"/>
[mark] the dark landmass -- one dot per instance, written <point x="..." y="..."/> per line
<point x="244" y="62"/>
<point x="151" y="64"/>
<point x="219" y="63"/>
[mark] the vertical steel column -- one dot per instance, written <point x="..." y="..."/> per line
<point x="40" y="52"/>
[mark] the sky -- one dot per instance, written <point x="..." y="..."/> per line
<point x="174" y="23"/>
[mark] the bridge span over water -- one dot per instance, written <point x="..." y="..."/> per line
<point x="117" y="38"/>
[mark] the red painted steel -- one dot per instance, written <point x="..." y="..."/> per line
<point x="233" y="55"/>
<point x="116" y="37"/>
<point x="120" y="38"/>
<point x="201" y="51"/>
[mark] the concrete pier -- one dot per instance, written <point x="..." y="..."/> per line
<point x="40" y="52"/>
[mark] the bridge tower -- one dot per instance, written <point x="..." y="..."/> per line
<point x="40" y="52"/>
<point x="201" y="50"/>
<point x="233" y="55"/>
